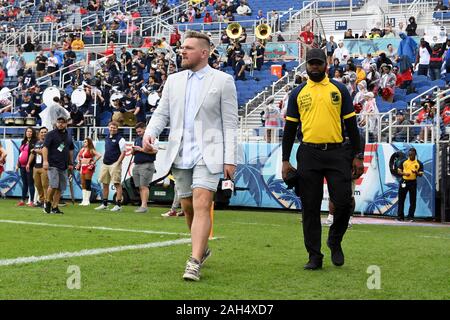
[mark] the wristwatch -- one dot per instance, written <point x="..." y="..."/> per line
<point x="359" y="156"/>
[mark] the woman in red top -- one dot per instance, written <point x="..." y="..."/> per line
<point x="27" y="145"/>
<point x="207" y="18"/>
<point x="86" y="159"/>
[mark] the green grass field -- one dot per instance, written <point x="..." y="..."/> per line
<point x="258" y="255"/>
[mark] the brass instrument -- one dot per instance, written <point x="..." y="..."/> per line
<point x="263" y="32"/>
<point x="129" y="119"/>
<point x="234" y="30"/>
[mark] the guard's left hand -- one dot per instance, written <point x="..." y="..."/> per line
<point x="357" y="168"/>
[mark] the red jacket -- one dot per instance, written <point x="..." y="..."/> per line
<point x="307" y="37"/>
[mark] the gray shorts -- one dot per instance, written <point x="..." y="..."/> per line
<point x="57" y="179"/>
<point x="143" y="174"/>
<point x="198" y="177"/>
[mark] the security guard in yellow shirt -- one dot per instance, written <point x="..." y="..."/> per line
<point x="322" y="107"/>
<point x="410" y="169"/>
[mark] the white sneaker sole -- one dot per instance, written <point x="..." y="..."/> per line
<point x="190" y="277"/>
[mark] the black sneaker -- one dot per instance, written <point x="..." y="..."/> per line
<point x="337" y="255"/>
<point x="62" y="204"/>
<point x="39" y="204"/>
<point x="57" y="211"/>
<point x="47" y="207"/>
<point x="313" y="265"/>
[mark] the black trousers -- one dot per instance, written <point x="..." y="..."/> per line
<point x="313" y="166"/>
<point x="411" y="187"/>
<point x="27" y="183"/>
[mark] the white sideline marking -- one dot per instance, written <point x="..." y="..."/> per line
<point x="92" y="228"/>
<point x="435" y="237"/>
<point x="91" y="252"/>
<point x="258" y="224"/>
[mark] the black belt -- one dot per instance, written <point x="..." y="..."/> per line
<point x="323" y="146"/>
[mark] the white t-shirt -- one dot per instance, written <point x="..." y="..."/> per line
<point x="52" y="62"/>
<point x="242" y="10"/>
<point x="424" y="56"/>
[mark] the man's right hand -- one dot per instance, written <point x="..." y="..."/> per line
<point x="287" y="167"/>
<point x="147" y="143"/>
<point x="45" y="165"/>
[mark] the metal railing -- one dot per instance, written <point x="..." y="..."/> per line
<point x="151" y="27"/>
<point x="412" y="102"/>
<point x="335" y="5"/>
<point x="420" y="7"/>
<point x="263" y="97"/>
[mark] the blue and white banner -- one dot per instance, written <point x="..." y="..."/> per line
<point x="259" y="171"/>
<point x="274" y="51"/>
<point x="376" y="192"/>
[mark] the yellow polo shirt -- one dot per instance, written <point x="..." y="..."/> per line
<point x="409" y="166"/>
<point x="321" y="108"/>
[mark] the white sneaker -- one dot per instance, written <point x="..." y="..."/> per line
<point x="350" y="224"/>
<point x="116" y="208"/>
<point x="329" y="220"/>
<point x="102" y="207"/>
<point x="192" y="271"/>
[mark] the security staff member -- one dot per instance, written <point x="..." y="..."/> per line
<point x="410" y="169"/>
<point x="322" y="106"/>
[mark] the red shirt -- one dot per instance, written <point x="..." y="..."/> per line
<point x="174" y="37"/>
<point x="421" y="116"/>
<point x="2" y="77"/>
<point x="207" y="19"/>
<point x="446" y="115"/>
<point x="307" y="36"/>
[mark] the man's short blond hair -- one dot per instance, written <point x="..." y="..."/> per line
<point x="198" y="35"/>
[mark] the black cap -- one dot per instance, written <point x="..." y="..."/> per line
<point x="316" y="54"/>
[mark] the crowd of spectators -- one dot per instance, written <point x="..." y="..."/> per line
<point x="374" y="79"/>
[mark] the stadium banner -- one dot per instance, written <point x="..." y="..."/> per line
<point x="30" y="57"/>
<point x="259" y="174"/>
<point x="275" y="51"/>
<point x="360" y="47"/>
<point x="376" y="191"/>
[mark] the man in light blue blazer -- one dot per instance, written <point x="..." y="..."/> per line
<point x="200" y="106"/>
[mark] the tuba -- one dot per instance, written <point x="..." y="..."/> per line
<point x="263" y="32"/>
<point x="234" y="30"/>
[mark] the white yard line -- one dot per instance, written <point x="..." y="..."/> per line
<point x="92" y="228"/>
<point x="91" y="252"/>
<point x="435" y="237"/>
<point x="257" y="224"/>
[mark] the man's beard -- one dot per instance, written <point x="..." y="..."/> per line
<point x="187" y="65"/>
<point x="316" y="76"/>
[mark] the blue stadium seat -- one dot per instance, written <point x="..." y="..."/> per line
<point x="440" y="83"/>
